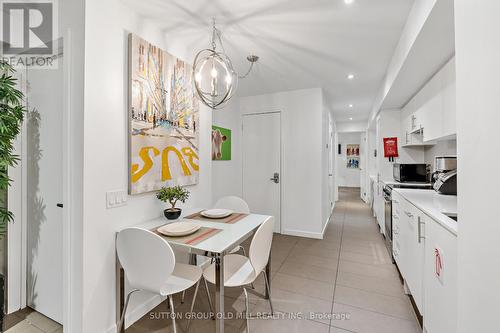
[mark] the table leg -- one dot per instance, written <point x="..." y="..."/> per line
<point x="193" y="259"/>
<point x="219" y="293"/>
<point x="268" y="274"/>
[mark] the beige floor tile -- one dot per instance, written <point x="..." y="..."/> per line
<point x="43" y="323"/>
<point x="363" y="321"/>
<point x="288" y="302"/>
<point x="372" y="284"/>
<point x="376" y="257"/>
<point x="392" y="306"/>
<point x="24" y="327"/>
<point x="378" y="271"/>
<point x="315" y="251"/>
<point x="286" y="326"/>
<point x="306" y="271"/>
<point x="327" y="262"/>
<point x="303" y="286"/>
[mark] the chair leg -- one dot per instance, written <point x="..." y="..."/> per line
<point x="247" y="312"/>
<point x="122" y="316"/>
<point x="268" y="292"/>
<point x="183" y="296"/>
<point x="171" y="302"/>
<point x="208" y="295"/>
<point x="192" y="305"/>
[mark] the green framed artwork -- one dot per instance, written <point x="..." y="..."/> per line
<point x="221" y="144"/>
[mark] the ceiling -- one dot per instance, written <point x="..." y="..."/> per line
<point x="301" y="43"/>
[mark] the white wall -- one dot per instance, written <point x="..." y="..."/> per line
<point x="227" y="175"/>
<point x="446" y="147"/>
<point x="348" y="177"/>
<point x="304" y="156"/>
<point x="390" y="126"/>
<point x="105" y="157"/>
<point x="352" y="126"/>
<point x="478" y="105"/>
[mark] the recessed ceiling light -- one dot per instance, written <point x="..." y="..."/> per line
<point x="348" y="2"/>
<point x="350" y="76"/>
<point x="350" y="105"/>
<point x="350" y="118"/>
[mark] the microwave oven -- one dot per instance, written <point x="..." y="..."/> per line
<point x="411" y="172"/>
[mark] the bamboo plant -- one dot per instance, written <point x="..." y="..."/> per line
<point x="11" y="117"/>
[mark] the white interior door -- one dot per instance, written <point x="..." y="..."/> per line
<point x="362" y="166"/>
<point x="262" y="164"/>
<point x="331" y="180"/>
<point x="44" y="191"/>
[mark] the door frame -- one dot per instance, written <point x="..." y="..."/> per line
<point x="17" y="236"/>
<point x="282" y="150"/>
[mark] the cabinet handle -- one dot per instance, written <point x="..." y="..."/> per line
<point x="420" y="237"/>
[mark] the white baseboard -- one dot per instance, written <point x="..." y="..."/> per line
<point x="301" y="233"/>
<point x="138" y="312"/>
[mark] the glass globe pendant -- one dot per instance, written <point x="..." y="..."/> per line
<point x="215" y="79"/>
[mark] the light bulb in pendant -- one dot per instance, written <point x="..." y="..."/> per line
<point x="214" y="73"/>
<point x="197" y="77"/>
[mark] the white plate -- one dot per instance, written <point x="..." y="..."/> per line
<point x="216" y="213"/>
<point x="178" y="229"/>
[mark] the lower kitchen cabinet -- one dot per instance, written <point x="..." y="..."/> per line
<point x="426" y="255"/>
<point x="414" y="243"/>
<point x="440" y="279"/>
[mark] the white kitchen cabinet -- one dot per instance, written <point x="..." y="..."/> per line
<point x="431" y="113"/>
<point x="414" y="252"/>
<point x="440" y="279"/>
<point x="398" y="236"/>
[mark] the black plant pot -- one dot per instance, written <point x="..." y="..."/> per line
<point x="172" y="213"/>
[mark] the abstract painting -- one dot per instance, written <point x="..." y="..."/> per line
<point x="352" y="155"/>
<point x="163" y="119"/>
<point x="221" y="143"/>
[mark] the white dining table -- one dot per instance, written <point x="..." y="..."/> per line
<point x="216" y="246"/>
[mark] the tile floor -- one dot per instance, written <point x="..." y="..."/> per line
<point x="343" y="283"/>
<point x="30" y="321"/>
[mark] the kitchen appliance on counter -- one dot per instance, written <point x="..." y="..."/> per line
<point x="446" y="183"/>
<point x="410" y="172"/>
<point x="444" y="177"/>
<point x="387" y="191"/>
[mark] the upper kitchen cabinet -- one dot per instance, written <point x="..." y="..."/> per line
<point x="431" y="114"/>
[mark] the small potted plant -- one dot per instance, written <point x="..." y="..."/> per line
<point x="172" y="195"/>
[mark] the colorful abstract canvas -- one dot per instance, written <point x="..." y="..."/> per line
<point x="163" y="119"/>
<point x="221" y="143"/>
<point x="352" y="155"/>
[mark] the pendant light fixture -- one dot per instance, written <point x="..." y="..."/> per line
<point x="215" y="79"/>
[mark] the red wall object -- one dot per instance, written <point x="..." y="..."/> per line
<point x="391" y="147"/>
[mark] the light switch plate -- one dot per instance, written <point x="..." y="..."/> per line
<point x="116" y="198"/>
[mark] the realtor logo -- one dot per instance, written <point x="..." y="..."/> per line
<point x="27" y="27"/>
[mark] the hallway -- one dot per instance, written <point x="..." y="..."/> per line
<point x="343" y="283"/>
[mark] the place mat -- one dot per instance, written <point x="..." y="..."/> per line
<point x="233" y="218"/>
<point x="197" y="237"/>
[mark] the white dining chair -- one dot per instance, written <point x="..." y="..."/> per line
<point x="149" y="265"/>
<point x="237" y="205"/>
<point x="240" y="271"/>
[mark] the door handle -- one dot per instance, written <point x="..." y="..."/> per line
<point x="420" y="237"/>
<point x="276" y="178"/>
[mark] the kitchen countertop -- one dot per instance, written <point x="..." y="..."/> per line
<point x="394" y="182"/>
<point x="434" y="205"/>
